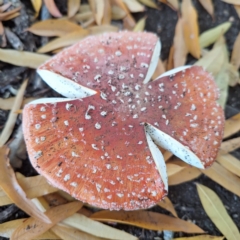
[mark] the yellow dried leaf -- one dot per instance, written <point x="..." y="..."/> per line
<point x="208" y="5"/>
<point x="7" y="228"/>
<point x="107" y="14"/>
<point x="10" y="186"/>
<point x="102" y="29"/>
<point x="68" y="233"/>
<point x="28" y="59"/>
<point x="232" y="125"/>
<point x="73" y="7"/>
<point x="12" y="117"/>
<point x="232" y="1"/>
<point x="167" y="204"/>
<point x="140" y="25"/>
<point x="180" y="48"/>
<point x="230" y="145"/>
<point x="167" y="155"/>
<point x="53" y="27"/>
<point x="160" y="69"/>
<point x="185" y="175"/>
<point x="174" y="4"/>
<point x="64" y="41"/>
<point x="149" y="3"/>
<point x="223" y="177"/>
<point x="7" y="103"/>
<point x="212" y="35"/>
<point x="235" y="59"/>
<point x="117" y="13"/>
<point x="80" y="17"/>
<point x="32" y="228"/>
<point x="147" y="220"/>
<point x="217" y="213"/>
<point x="200" y="237"/>
<point x="231" y="163"/>
<point x="37" y="4"/>
<point x="95" y="228"/>
<point x="134" y="6"/>
<point x="173" y="169"/>
<point x="190" y="28"/>
<point x="170" y="65"/>
<point x="52" y="8"/>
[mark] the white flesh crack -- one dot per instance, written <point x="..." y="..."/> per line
<point x="65" y="86"/>
<point x="167" y="142"/>
<point x="158" y="159"/>
<point x="153" y="62"/>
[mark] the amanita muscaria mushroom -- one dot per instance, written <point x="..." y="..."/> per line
<point x="100" y="142"/>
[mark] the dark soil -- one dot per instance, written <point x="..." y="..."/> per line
<point x="162" y="22"/>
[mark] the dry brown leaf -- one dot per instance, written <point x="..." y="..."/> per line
<point x="200" y="237"/>
<point x="52" y="8"/>
<point x="28" y="59"/>
<point x="84" y="8"/>
<point x="170" y="64"/>
<point x="33" y="187"/>
<point x="232" y="1"/>
<point x="173" y="169"/>
<point x="149" y="3"/>
<point x="231" y="163"/>
<point x="68" y="233"/>
<point x="53" y="27"/>
<point x="167" y="204"/>
<point x="5" y="6"/>
<point x="11" y="16"/>
<point x="223" y="177"/>
<point x="237" y="8"/>
<point x="232" y="125"/>
<point x="117" y="13"/>
<point x="216" y="211"/>
<point x="167" y="155"/>
<point x="190" y="28"/>
<point x="147" y="220"/>
<point x="32" y="228"/>
<point x="102" y="29"/>
<point x="5" y="15"/>
<point x="37" y="4"/>
<point x="99" y="12"/>
<point x="95" y="228"/>
<point x="179" y="45"/>
<point x="85" y="211"/>
<point x="80" y="17"/>
<point x="235" y="59"/>
<point x="212" y="35"/>
<point x="134" y="6"/>
<point x="107" y="14"/>
<point x="174" y="4"/>
<point x="64" y="41"/>
<point x="187" y="174"/>
<point x="7" y="103"/>
<point x="73" y="7"/>
<point x="10" y="186"/>
<point x="140" y="25"/>
<point x="160" y="69"/>
<point x="208" y="5"/>
<point x="12" y="117"/>
<point x="230" y="145"/>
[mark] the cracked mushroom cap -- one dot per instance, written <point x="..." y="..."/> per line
<point x="100" y="143"/>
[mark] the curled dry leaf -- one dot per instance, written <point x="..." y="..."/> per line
<point x="230" y="145"/>
<point x="37" y="4"/>
<point x="200" y="237"/>
<point x="235" y="59"/>
<point x="173" y="169"/>
<point x="190" y="28"/>
<point x="6" y="15"/>
<point x="12" y="117"/>
<point x="230" y="163"/>
<point x="95" y="228"/>
<point x="217" y="213"/>
<point x="179" y="45"/>
<point x="81" y="17"/>
<point x="212" y="35"/>
<point x="54" y="27"/>
<point x="167" y="205"/>
<point x="10" y="186"/>
<point x="52" y="8"/>
<point x="28" y="59"/>
<point x="208" y="5"/>
<point x="134" y="6"/>
<point x="232" y="126"/>
<point x="147" y="220"/>
<point x="73" y="7"/>
<point x="174" y="4"/>
<point x="32" y="228"/>
<point x="149" y="3"/>
<point x="140" y="25"/>
<point x="223" y="177"/>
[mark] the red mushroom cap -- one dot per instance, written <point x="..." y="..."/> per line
<point x="101" y="147"/>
